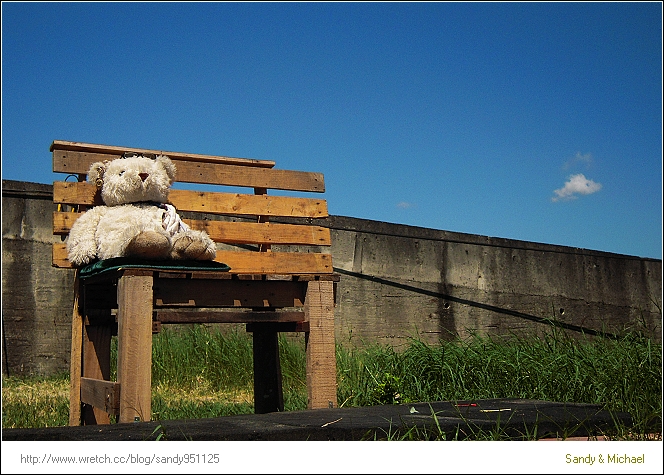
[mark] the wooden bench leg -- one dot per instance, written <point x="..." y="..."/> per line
<point x="135" y="345"/>
<point x="96" y="365"/>
<point x="76" y="360"/>
<point x="268" y="391"/>
<point x="320" y="345"/>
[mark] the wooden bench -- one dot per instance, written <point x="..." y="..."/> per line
<point x="281" y="279"/>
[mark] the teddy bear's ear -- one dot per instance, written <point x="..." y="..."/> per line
<point x="168" y="165"/>
<point x="96" y="173"/>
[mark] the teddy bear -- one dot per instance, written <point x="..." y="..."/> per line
<point x="136" y="219"/>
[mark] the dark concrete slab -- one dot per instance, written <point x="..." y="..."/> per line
<point x="507" y="418"/>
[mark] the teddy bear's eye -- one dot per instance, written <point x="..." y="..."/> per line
<point x="122" y="172"/>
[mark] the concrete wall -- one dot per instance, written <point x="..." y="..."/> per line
<point x="401" y="281"/>
<point x="396" y="282"/>
<point x="36" y="297"/>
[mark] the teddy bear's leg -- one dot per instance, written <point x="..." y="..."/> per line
<point x="149" y="245"/>
<point x="82" y="240"/>
<point x="193" y="245"/>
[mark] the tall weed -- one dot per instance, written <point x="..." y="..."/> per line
<point x="200" y="371"/>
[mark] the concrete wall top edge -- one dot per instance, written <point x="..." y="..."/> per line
<point x="25" y="189"/>
<point x="13" y="188"/>
<point x="360" y="225"/>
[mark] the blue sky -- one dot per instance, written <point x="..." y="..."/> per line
<point x="532" y="121"/>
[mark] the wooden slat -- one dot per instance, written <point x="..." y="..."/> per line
<point x="276" y="262"/>
<point x="232" y="232"/>
<point x="263" y="233"/>
<point x="101" y="394"/>
<point x="209" y="173"/>
<point x="83" y="193"/>
<point x="63" y="221"/>
<point x="278" y="327"/>
<point x="76" y="193"/>
<point x="245" y="262"/>
<point x="218" y="316"/>
<point x="59" y="256"/>
<point x="208" y="293"/>
<point x="252" y="205"/>
<point x="233" y="175"/>
<point x="62" y="146"/>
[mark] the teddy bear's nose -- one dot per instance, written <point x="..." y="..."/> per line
<point x="144" y="176"/>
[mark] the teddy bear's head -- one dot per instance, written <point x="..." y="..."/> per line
<point x="133" y="178"/>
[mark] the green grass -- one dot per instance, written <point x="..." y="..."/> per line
<point x="35" y="402"/>
<point x="201" y="372"/>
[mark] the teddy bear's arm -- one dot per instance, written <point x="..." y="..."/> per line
<point x="81" y="243"/>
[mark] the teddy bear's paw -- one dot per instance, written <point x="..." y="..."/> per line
<point x="193" y="246"/>
<point x="149" y="245"/>
<point x="81" y="260"/>
<point x="78" y="255"/>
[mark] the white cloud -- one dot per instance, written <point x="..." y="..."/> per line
<point x="404" y="205"/>
<point x="577" y="184"/>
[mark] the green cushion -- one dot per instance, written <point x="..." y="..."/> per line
<point x="118" y="263"/>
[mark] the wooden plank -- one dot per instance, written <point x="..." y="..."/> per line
<point x="85" y="193"/>
<point x="234" y="175"/>
<point x="174" y="293"/>
<point x="262" y="219"/>
<point x="268" y="392"/>
<point x="232" y="232"/>
<point x="59" y="256"/>
<point x="217" y="173"/>
<point x="279" y="326"/>
<point x="252" y="205"/>
<point x="96" y="366"/>
<point x="76" y="360"/>
<point x="263" y="233"/>
<point x="246" y="262"/>
<point x="63" y="221"/>
<point x="320" y="346"/>
<point x="101" y="394"/>
<point x="76" y="193"/>
<point x="135" y="346"/>
<point x="276" y="262"/>
<point x="225" y="316"/>
<point x="62" y="146"/>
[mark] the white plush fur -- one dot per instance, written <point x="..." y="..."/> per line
<point x="133" y="221"/>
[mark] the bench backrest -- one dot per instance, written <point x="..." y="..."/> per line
<point x="244" y="223"/>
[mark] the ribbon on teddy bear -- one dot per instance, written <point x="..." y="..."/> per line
<point x="171" y="220"/>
